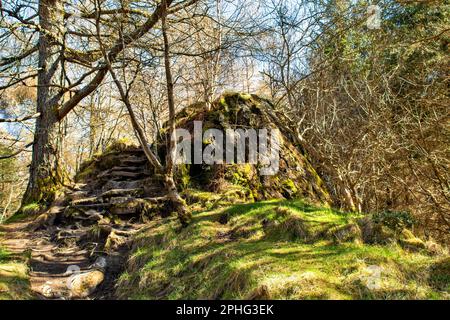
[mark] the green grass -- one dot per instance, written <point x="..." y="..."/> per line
<point x="4" y="255"/>
<point x="16" y="217"/>
<point x="25" y="212"/>
<point x="14" y="280"/>
<point x="261" y="252"/>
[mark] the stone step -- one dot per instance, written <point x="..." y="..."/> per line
<point x="114" y="201"/>
<point x="156" y="199"/>
<point x="126" y="174"/>
<point x="91" y="206"/>
<point x="133" y="161"/>
<point x="124" y="205"/>
<point x="154" y="189"/>
<point x="120" y="174"/>
<point x="77" y="195"/>
<point x="120" y="205"/>
<point x="147" y="182"/>
<point x="113" y="184"/>
<point x="90" y="200"/>
<point x="130" y="205"/>
<point x="133" y="152"/>
<point x="127" y="169"/>
<point x="121" y="200"/>
<point x="122" y="192"/>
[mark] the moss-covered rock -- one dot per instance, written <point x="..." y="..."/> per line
<point x="346" y="233"/>
<point x="32" y="208"/>
<point x="409" y="241"/>
<point x="291" y="228"/>
<point x="375" y="233"/>
<point x="284" y="224"/>
<point x="295" y="178"/>
<point x="133" y="206"/>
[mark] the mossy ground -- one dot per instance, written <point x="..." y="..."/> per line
<point x="25" y="212"/>
<point x="274" y="250"/>
<point x="14" y="280"/>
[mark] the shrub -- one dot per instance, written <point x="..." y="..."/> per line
<point x="395" y="220"/>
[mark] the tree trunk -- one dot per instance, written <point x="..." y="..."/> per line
<point x="45" y="173"/>
<point x="179" y="204"/>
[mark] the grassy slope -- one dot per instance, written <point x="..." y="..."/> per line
<point x="244" y="259"/>
<point x="14" y="281"/>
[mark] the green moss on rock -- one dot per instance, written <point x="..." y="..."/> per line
<point x="409" y="241"/>
<point x="31" y="208"/>
<point x="346" y="233"/>
<point x="296" y="177"/>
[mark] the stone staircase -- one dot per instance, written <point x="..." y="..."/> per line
<point x="90" y="228"/>
<point x="128" y="187"/>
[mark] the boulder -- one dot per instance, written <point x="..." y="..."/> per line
<point x="84" y="284"/>
<point x="375" y="233"/>
<point x="345" y="233"/>
<point x="294" y="175"/>
<point x="292" y="227"/>
<point x="410" y="242"/>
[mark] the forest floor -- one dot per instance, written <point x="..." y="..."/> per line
<point x="14" y="256"/>
<point x="36" y="264"/>
<point x="32" y="266"/>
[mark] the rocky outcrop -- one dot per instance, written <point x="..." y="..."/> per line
<point x="296" y="176"/>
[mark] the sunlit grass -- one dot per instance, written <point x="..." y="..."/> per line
<point x="14" y="280"/>
<point x="237" y="260"/>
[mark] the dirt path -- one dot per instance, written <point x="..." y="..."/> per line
<point x="62" y="268"/>
<point x="50" y="266"/>
<point x="15" y="238"/>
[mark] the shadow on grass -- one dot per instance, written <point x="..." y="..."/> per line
<point x="14" y="280"/>
<point x="207" y="260"/>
